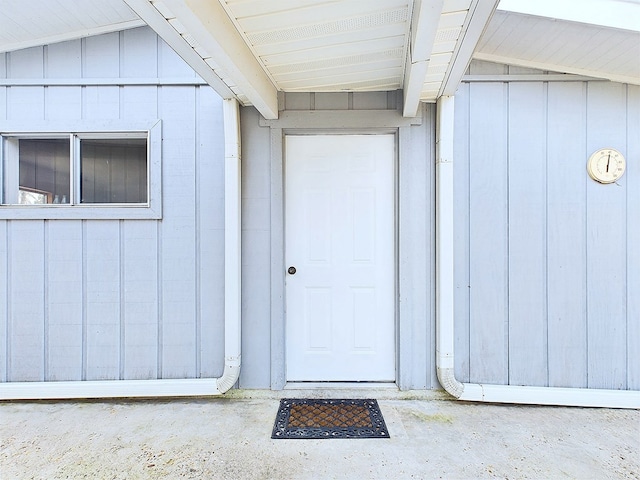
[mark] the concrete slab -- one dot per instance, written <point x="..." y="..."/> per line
<point x="229" y="438"/>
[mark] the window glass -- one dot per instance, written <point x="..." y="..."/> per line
<point x="113" y="170"/>
<point x="44" y="171"/>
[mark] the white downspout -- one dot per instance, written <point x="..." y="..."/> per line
<point x="580" y="397"/>
<point x="232" y="248"/>
<point x="232" y="309"/>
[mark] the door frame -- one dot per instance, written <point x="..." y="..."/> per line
<point x="409" y="358"/>
<point x="278" y="267"/>
<point x="395" y="190"/>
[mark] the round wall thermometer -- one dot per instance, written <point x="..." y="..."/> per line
<point x="606" y="165"/>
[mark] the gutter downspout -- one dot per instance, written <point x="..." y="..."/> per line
<point x="232" y="310"/>
<point x="578" y="397"/>
<point x="232" y="247"/>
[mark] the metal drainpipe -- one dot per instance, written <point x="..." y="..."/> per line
<point x="232" y="310"/>
<point x="579" y="397"/>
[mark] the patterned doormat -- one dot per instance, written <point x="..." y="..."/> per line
<point x="329" y="418"/>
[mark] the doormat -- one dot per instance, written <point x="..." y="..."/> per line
<point x="329" y="418"/>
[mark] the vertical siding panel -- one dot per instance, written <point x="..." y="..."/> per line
<point x="370" y="100"/>
<point x="27" y="301"/>
<point x="178" y="233"/>
<point x="461" y="232"/>
<point x="297" y="101"/>
<point x="26" y="63"/>
<point x="64" y="60"/>
<point x="139" y="53"/>
<point x="633" y="237"/>
<point x="100" y="103"/>
<point x="3" y="102"/>
<point x="101" y="56"/>
<point x="170" y="65"/>
<point x="606" y="243"/>
<point x="139" y="103"/>
<point x="64" y="300"/>
<point x="414" y="226"/>
<point x="527" y="234"/>
<point x="25" y="103"/>
<point x="428" y="353"/>
<point x="566" y="235"/>
<point x="3" y="90"/>
<point x="256" y="254"/>
<point x="331" y="101"/>
<point x="488" y="234"/>
<point x="140" y="308"/>
<point x="210" y="205"/>
<point x="4" y="306"/>
<point x="102" y="299"/>
<point x="63" y="103"/>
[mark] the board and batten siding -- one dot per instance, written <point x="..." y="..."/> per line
<point x="547" y="265"/>
<point x="117" y="299"/>
<point x="264" y="316"/>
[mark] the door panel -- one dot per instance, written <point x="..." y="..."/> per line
<point x="340" y="238"/>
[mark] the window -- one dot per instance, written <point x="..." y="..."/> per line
<point x="81" y="175"/>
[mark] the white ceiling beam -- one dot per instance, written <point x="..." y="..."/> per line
<point x="152" y="17"/>
<point x="480" y="12"/>
<point x="595" y="74"/>
<point x="424" y="25"/>
<point x="209" y="25"/>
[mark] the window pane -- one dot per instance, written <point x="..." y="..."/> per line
<point x="44" y="171"/>
<point x="113" y="170"/>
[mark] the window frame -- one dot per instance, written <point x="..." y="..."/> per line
<point x="11" y="134"/>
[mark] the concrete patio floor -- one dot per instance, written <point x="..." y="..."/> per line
<point x="230" y="438"/>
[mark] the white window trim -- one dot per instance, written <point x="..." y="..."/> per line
<point x="150" y="210"/>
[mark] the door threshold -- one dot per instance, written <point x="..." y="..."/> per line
<point x="340" y="385"/>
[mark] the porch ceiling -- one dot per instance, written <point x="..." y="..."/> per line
<point x="564" y="45"/>
<point x="252" y="49"/>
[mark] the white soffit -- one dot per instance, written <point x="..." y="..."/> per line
<point x="562" y="46"/>
<point x="25" y="24"/>
<point x="619" y="14"/>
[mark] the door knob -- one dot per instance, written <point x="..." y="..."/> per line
<point x="291" y="270"/>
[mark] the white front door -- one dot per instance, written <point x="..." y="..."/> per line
<point x="340" y="241"/>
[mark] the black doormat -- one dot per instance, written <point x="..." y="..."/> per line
<point x="329" y="418"/>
